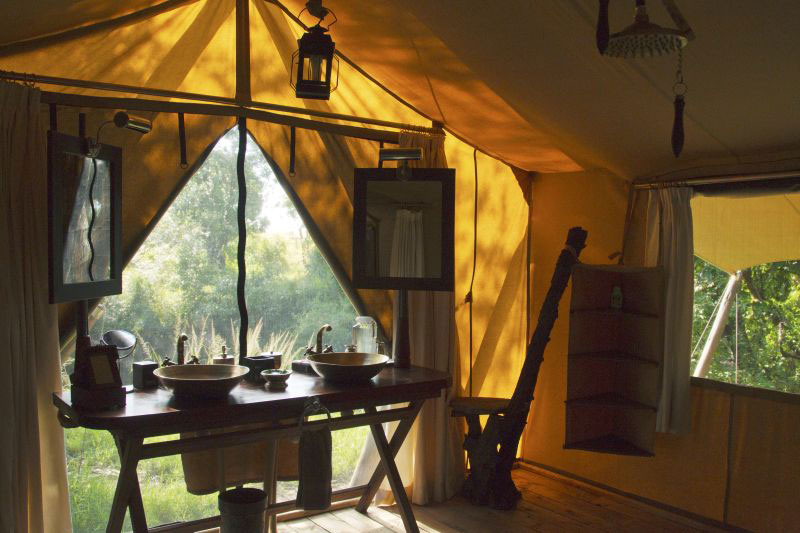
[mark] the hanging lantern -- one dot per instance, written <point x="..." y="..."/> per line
<point x="315" y="70"/>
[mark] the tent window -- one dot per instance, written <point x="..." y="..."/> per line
<point x="746" y="325"/>
<point x="183" y="280"/>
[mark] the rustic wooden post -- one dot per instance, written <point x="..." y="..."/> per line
<point x="490" y="480"/>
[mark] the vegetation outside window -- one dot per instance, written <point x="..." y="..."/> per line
<point x="749" y="243"/>
<point x="183" y="280"/>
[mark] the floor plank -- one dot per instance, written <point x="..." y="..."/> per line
<point x="550" y="503"/>
<point x="360" y="522"/>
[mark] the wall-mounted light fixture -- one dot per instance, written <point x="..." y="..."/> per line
<point x="315" y="70"/>
<point x="121" y="120"/>
<point x="124" y="120"/>
<point x="402" y="156"/>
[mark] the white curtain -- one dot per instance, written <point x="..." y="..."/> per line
<point x="431" y="461"/>
<point x="408" y="245"/>
<point x="33" y="480"/>
<point x="669" y="243"/>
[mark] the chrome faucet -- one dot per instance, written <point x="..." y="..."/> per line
<point x="317" y="346"/>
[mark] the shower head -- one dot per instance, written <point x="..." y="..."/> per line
<point x="643" y="38"/>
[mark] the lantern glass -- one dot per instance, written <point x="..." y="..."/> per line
<point x="314" y="68"/>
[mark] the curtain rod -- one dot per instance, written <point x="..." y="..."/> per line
<point x="116" y="87"/>
<point x="719" y="179"/>
<point x="193" y="108"/>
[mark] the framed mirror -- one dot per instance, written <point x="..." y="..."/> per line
<point x="403" y="229"/>
<point x="85" y="200"/>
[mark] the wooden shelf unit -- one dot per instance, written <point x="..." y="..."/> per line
<point x="614" y="361"/>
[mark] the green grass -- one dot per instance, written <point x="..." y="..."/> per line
<point x="93" y="466"/>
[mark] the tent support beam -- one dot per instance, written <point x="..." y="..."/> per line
<point x="190" y="108"/>
<point x="147" y="91"/>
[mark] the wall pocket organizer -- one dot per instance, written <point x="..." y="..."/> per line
<point x="616" y="348"/>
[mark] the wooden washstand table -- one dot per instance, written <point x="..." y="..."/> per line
<point x="155" y="412"/>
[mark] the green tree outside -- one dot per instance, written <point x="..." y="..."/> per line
<point x="183" y="280"/>
<point x="766" y="351"/>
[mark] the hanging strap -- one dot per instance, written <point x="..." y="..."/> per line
<point x="292" y="141"/>
<point x="240" y="256"/>
<point x="182" y="139"/>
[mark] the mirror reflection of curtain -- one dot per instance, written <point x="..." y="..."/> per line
<point x="408" y="245"/>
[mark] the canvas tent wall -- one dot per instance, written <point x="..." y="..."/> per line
<point x="523" y="83"/>
<point x="190" y="46"/>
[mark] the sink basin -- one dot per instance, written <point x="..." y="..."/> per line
<point x="347" y="366"/>
<point x="201" y="381"/>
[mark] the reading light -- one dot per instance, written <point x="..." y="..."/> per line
<point x="121" y="120"/>
<point x="313" y="62"/>
<point x="403" y="156"/>
<point x="124" y="120"/>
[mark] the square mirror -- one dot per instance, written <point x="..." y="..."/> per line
<point x="85" y="198"/>
<point x="403" y="229"/>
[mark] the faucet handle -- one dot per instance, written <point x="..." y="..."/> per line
<point x="328" y="348"/>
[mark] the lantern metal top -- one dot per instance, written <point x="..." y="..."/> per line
<point x="316" y="42"/>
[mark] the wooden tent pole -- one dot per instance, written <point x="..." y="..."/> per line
<point x="243" y="96"/>
<point x="147" y="91"/>
<point x="193" y="108"/>
<point x="714" y="336"/>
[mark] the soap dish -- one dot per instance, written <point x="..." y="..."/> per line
<point x="276" y="379"/>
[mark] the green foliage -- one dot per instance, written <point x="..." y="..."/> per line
<point x="183" y="280"/>
<point x="767" y="353"/>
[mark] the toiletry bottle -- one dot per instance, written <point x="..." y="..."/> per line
<point x="224" y="359"/>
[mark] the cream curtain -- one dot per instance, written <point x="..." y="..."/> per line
<point x="430" y="461"/>
<point x="33" y="477"/>
<point x="408" y="251"/>
<point x="669" y="243"/>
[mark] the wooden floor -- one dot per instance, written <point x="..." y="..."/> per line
<point x="549" y="503"/>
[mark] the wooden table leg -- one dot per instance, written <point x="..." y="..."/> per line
<point x="394" y="445"/>
<point x="398" y="490"/>
<point x="128" y="493"/>
<point x="271" y="483"/>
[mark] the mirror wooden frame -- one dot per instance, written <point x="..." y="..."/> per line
<point x="59" y="290"/>
<point x="361" y="280"/>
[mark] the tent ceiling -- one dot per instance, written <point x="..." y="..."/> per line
<point x="523" y="80"/>
<point x="539" y="58"/>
